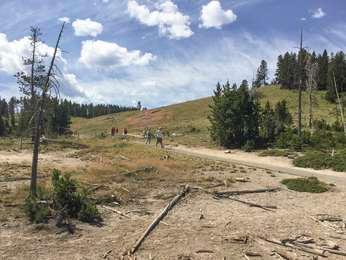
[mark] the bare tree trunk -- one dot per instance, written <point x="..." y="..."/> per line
<point x="300" y="85"/>
<point x="310" y="108"/>
<point x="46" y="86"/>
<point x="35" y="35"/>
<point x="340" y="105"/>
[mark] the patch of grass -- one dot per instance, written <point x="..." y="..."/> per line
<point x="310" y="184"/>
<point x="277" y="153"/>
<point x="321" y="160"/>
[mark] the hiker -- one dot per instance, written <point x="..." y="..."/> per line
<point x="159" y="137"/>
<point x="147" y="136"/>
<point x="113" y="131"/>
<point x="125" y="131"/>
<point x="116" y="130"/>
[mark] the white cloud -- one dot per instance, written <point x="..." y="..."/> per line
<point x="318" y="13"/>
<point x="171" y="22"/>
<point x="64" y="19"/>
<point x="87" y="27"/>
<point x="107" y="55"/>
<point x="212" y="15"/>
<point x="12" y="53"/>
<point x="303" y="19"/>
<point x="105" y="1"/>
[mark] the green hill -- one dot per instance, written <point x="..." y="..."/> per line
<point x="189" y="120"/>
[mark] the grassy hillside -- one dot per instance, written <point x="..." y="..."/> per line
<point x="189" y="120"/>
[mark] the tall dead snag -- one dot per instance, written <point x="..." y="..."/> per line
<point x="311" y="72"/>
<point x="48" y="84"/>
<point x="340" y="105"/>
<point x="160" y="217"/>
<point x="300" y="58"/>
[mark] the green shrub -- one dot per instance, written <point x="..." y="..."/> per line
<point x="289" y="139"/>
<point x="320" y="160"/>
<point x="36" y="210"/>
<point x="276" y="152"/>
<point x="70" y="198"/>
<point x="310" y="184"/>
<point x="249" y="146"/>
<point x="89" y="213"/>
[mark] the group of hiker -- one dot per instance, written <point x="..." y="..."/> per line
<point x="115" y="131"/>
<point x="148" y="135"/>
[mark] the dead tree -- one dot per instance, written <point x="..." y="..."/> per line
<point x="300" y="58"/>
<point x="30" y="80"/>
<point x="340" y="105"/>
<point x="46" y="87"/>
<point x="311" y="72"/>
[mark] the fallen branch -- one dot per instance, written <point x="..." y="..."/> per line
<point x="115" y="211"/>
<point x="328" y="225"/>
<point x="333" y="251"/>
<point x="226" y="194"/>
<point x="204" y="251"/>
<point x="290" y="245"/>
<point x="264" y="207"/>
<point x="160" y="217"/>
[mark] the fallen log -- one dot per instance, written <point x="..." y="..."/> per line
<point x="160" y="217"/>
<point x="223" y="194"/>
<point x="332" y="251"/>
<point x="264" y="207"/>
<point x="290" y="245"/>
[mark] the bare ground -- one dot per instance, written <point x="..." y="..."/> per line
<point x="182" y="234"/>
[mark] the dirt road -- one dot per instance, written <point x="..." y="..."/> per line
<point x="278" y="164"/>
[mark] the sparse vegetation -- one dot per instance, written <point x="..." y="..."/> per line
<point x="310" y="184"/>
<point x="322" y="160"/>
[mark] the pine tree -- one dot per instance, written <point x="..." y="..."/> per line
<point x="322" y="81"/>
<point x="262" y="74"/>
<point x="268" y="125"/>
<point x="234" y="116"/>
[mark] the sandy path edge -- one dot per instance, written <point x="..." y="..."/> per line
<point x="278" y="164"/>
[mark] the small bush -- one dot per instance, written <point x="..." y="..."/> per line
<point x="249" y="146"/>
<point x="279" y="153"/>
<point x="320" y="160"/>
<point x="70" y="198"/>
<point x="36" y="211"/>
<point x="310" y="184"/>
<point x="37" y="208"/>
<point x="89" y="213"/>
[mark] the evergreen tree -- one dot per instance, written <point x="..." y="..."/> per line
<point x="2" y="127"/>
<point x="322" y="80"/>
<point x="268" y="123"/>
<point x="282" y="116"/>
<point x="262" y="74"/>
<point x="234" y="116"/>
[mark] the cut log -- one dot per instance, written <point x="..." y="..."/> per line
<point x="264" y="207"/>
<point x="160" y="217"/>
<point x="225" y="194"/>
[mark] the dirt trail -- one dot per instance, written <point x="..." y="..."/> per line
<point x="279" y="164"/>
<point x="57" y="158"/>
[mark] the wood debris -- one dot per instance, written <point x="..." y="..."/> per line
<point x="159" y="218"/>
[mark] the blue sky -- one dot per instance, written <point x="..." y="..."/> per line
<point x="163" y="51"/>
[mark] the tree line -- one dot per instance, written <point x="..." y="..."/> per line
<point x="330" y="67"/>
<point x="330" y="71"/>
<point x="16" y="115"/>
